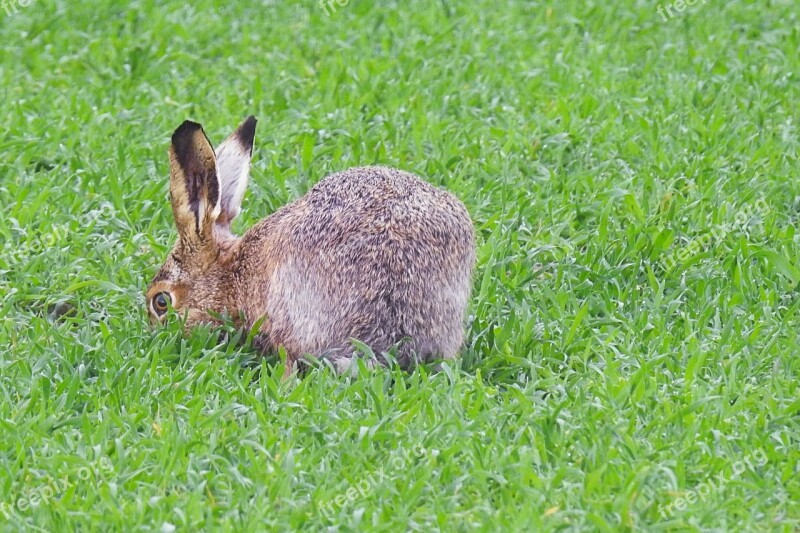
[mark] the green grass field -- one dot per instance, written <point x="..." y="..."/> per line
<point x="632" y="350"/>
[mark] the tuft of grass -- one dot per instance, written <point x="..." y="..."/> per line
<point x="602" y="388"/>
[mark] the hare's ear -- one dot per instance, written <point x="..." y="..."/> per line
<point x="193" y="184"/>
<point x="233" y="162"/>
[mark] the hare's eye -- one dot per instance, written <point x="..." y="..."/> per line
<point x="161" y="303"/>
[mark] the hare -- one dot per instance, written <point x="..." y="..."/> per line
<point x="372" y="254"/>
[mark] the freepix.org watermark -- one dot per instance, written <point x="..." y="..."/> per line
<point x="701" y="243"/>
<point x="54" y="487"/>
<point x="40" y="243"/>
<point x="678" y="5"/>
<point x="329" y="6"/>
<point x="702" y="491"/>
<point x="12" y="6"/>
<point x="371" y="482"/>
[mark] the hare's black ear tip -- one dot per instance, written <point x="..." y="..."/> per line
<point x="247" y="132"/>
<point x="186" y="130"/>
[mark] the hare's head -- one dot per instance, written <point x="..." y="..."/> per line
<point x="206" y="190"/>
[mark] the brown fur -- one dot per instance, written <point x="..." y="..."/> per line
<point x="373" y="254"/>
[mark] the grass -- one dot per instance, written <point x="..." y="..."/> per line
<point x="632" y="342"/>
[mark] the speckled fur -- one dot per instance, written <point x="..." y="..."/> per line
<point x="373" y="254"/>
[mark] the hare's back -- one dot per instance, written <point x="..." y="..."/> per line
<point x="384" y="206"/>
